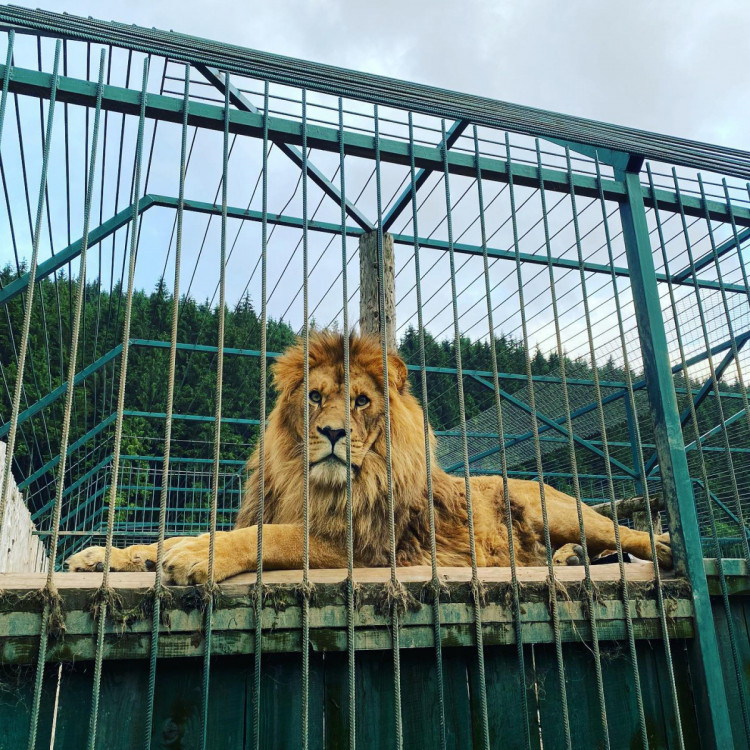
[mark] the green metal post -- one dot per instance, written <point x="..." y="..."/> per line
<point x="678" y="493"/>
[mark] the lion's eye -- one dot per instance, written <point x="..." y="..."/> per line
<point x="361" y="400"/>
<point x="315" y="397"/>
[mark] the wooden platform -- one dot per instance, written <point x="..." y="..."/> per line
<point x="233" y="623"/>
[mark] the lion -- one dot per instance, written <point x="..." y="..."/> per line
<point x="186" y="559"/>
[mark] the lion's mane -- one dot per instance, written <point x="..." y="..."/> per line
<point x="284" y="477"/>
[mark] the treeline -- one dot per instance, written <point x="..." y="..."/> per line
<point x="195" y="375"/>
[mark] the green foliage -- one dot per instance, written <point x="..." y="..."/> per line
<point x="195" y="381"/>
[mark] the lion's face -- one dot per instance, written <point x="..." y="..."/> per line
<point x="328" y="404"/>
<point x="327" y="435"/>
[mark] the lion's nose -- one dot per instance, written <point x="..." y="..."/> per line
<point x="332" y="434"/>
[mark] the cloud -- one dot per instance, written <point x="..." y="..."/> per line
<point x="669" y="67"/>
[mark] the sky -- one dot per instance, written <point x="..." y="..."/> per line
<point x="671" y="67"/>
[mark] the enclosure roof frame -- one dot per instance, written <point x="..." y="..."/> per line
<point x="390" y="92"/>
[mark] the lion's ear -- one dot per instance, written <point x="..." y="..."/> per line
<point x="397" y="371"/>
<point x="287" y="369"/>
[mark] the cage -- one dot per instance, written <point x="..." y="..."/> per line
<point x="570" y="299"/>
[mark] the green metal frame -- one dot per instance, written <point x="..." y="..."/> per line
<point x="676" y="481"/>
<point x="622" y="149"/>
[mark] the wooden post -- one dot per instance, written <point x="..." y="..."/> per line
<point x="369" y="287"/>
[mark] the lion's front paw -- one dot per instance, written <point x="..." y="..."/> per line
<point x="568" y="554"/>
<point x="89" y="559"/>
<point x="92" y="559"/>
<point x="187" y="561"/>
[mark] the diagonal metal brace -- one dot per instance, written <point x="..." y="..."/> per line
<point x="709" y="257"/>
<point x="700" y="397"/>
<point x="240" y="101"/>
<point x="550" y="424"/>
<point x="453" y="134"/>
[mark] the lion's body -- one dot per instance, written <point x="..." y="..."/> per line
<point x="409" y="494"/>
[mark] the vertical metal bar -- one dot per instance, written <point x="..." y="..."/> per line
<point x="588" y="585"/>
<point x="704" y="484"/>
<point x="712" y="369"/>
<point x="394" y="584"/>
<point x="551" y="582"/>
<point x="105" y="592"/>
<point x="435" y="580"/>
<point x="51" y="591"/>
<point x="678" y="493"/>
<point x="258" y="594"/>
<point x="306" y="491"/>
<point x="736" y="236"/>
<point x="723" y="290"/>
<point x="503" y="454"/>
<point x="211" y="584"/>
<point x="607" y="465"/>
<point x="33" y="262"/>
<point x="347" y="427"/>
<point x="475" y="584"/>
<point x="638" y="465"/>
<point x="166" y="469"/>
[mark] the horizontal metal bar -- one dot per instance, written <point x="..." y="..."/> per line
<point x="381" y="90"/>
<point x="62" y="258"/>
<point x="550" y="423"/>
<point x="543" y="260"/>
<point x="429" y="243"/>
<point x="211" y="117"/>
<point x="721" y="505"/>
<point x="181" y="460"/>
<point x="53" y="462"/>
<point x="700" y="397"/>
<point x="188" y="417"/>
<point x="739" y="341"/>
<point x="73" y="487"/>
<point x="714" y="430"/>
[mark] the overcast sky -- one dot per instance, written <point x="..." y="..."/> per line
<point x="673" y="67"/>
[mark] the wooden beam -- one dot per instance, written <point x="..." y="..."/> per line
<point x="128" y="634"/>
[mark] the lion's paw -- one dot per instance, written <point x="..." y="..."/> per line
<point x="568" y="554"/>
<point x="663" y="545"/>
<point x="187" y="561"/>
<point x="92" y="559"/>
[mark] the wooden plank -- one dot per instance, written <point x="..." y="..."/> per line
<point x="733" y="683"/>
<point x="336" y="700"/>
<point x="580" y="683"/>
<point x="661" y="721"/>
<point x="16" y="696"/>
<point x="547" y="688"/>
<point x="179" y="700"/>
<point x="506" y="689"/>
<point x="20" y="614"/>
<point x="281" y="702"/>
<point x="622" y="712"/>
<point x="375" y="696"/>
<point x="642" y="571"/>
<point x="420" y="703"/>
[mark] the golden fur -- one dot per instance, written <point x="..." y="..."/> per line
<point x="186" y="559"/>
